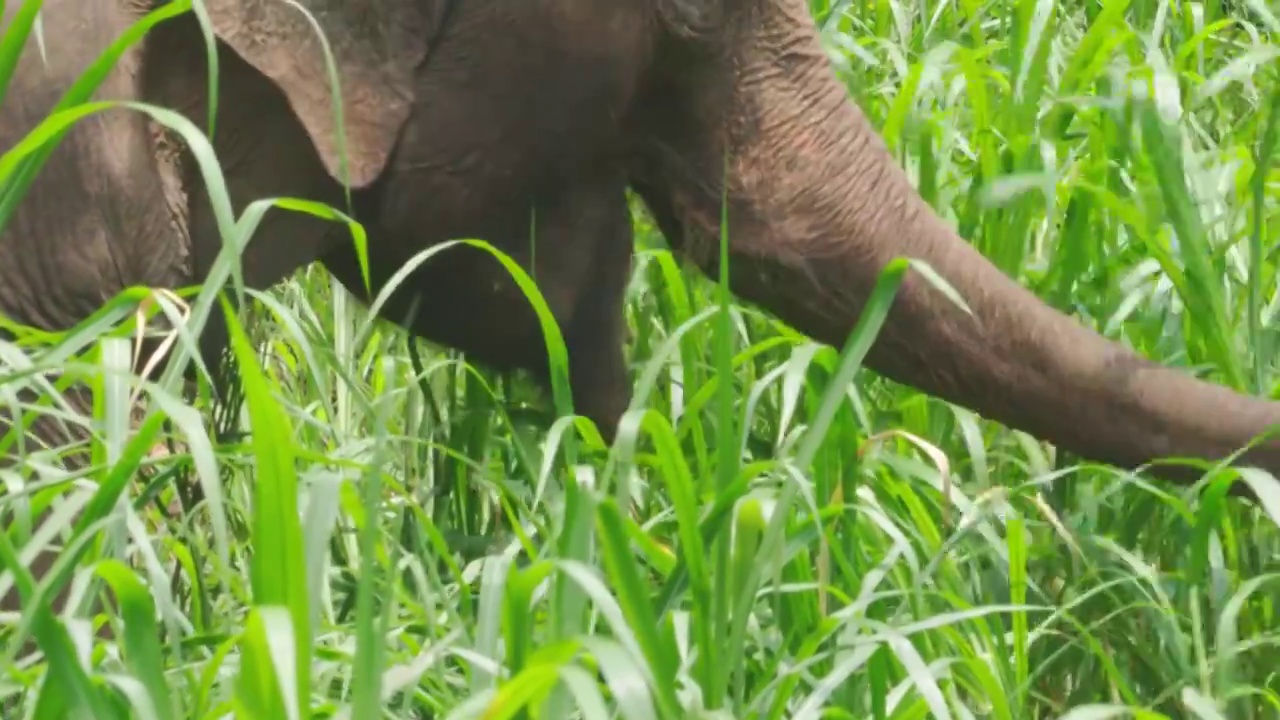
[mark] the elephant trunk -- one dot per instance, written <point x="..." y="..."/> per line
<point x="816" y="209"/>
<point x="1014" y="359"/>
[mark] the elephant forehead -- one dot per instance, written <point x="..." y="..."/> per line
<point x="602" y="23"/>
<point x="552" y="86"/>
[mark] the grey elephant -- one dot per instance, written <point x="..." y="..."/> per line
<point x="462" y="116"/>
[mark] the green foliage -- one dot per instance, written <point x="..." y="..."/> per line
<point x="775" y="534"/>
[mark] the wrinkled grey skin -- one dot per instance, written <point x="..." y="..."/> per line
<point x="559" y="105"/>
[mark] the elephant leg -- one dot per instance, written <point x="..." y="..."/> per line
<point x="580" y="257"/>
<point x="597" y="334"/>
<point x="591" y="222"/>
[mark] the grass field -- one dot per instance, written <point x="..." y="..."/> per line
<point x="426" y="540"/>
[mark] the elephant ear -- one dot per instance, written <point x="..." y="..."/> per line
<point x="376" y="47"/>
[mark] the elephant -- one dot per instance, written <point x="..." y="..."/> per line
<point x="467" y="119"/>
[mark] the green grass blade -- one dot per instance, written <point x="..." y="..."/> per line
<point x="279" y="560"/>
<point x="141" y="634"/>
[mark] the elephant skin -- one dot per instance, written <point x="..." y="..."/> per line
<point x="522" y="123"/>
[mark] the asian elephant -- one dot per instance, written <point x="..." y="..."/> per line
<point x="463" y="116"/>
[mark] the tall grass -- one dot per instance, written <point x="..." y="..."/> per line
<point x="412" y="536"/>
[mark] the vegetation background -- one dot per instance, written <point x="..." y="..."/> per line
<point x="406" y="536"/>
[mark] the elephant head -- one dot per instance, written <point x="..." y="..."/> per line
<point x="452" y="110"/>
